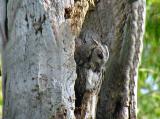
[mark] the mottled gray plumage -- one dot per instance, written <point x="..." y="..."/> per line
<point x="90" y="53"/>
<point x="91" y="57"/>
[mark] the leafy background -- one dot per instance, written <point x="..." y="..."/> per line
<point x="149" y="76"/>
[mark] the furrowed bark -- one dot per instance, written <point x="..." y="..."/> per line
<point x="118" y="92"/>
<point x="3" y="38"/>
<point x="39" y="68"/>
<point x="139" y="9"/>
<point x="117" y="22"/>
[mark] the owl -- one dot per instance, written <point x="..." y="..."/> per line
<point x="91" y="57"/>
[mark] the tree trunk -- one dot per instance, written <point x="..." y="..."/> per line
<point x="39" y="70"/>
<point x="55" y="58"/>
<point x="118" y="96"/>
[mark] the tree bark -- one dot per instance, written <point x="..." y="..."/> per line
<point x="39" y="70"/>
<point x="42" y="70"/>
<point x="118" y="96"/>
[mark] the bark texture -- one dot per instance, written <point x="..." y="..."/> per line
<point x="39" y="70"/>
<point x="120" y="23"/>
<point x="118" y="91"/>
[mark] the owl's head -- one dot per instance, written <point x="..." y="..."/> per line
<point x="99" y="58"/>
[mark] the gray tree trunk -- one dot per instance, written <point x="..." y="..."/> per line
<point x="45" y="77"/>
<point x="39" y="70"/>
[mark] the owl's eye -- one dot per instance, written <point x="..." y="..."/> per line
<point x="100" y="55"/>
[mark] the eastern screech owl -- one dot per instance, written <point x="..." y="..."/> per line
<point x="91" y="57"/>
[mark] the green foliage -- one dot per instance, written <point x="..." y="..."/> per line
<point x="149" y="76"/>
<point x="1" y="98"/>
